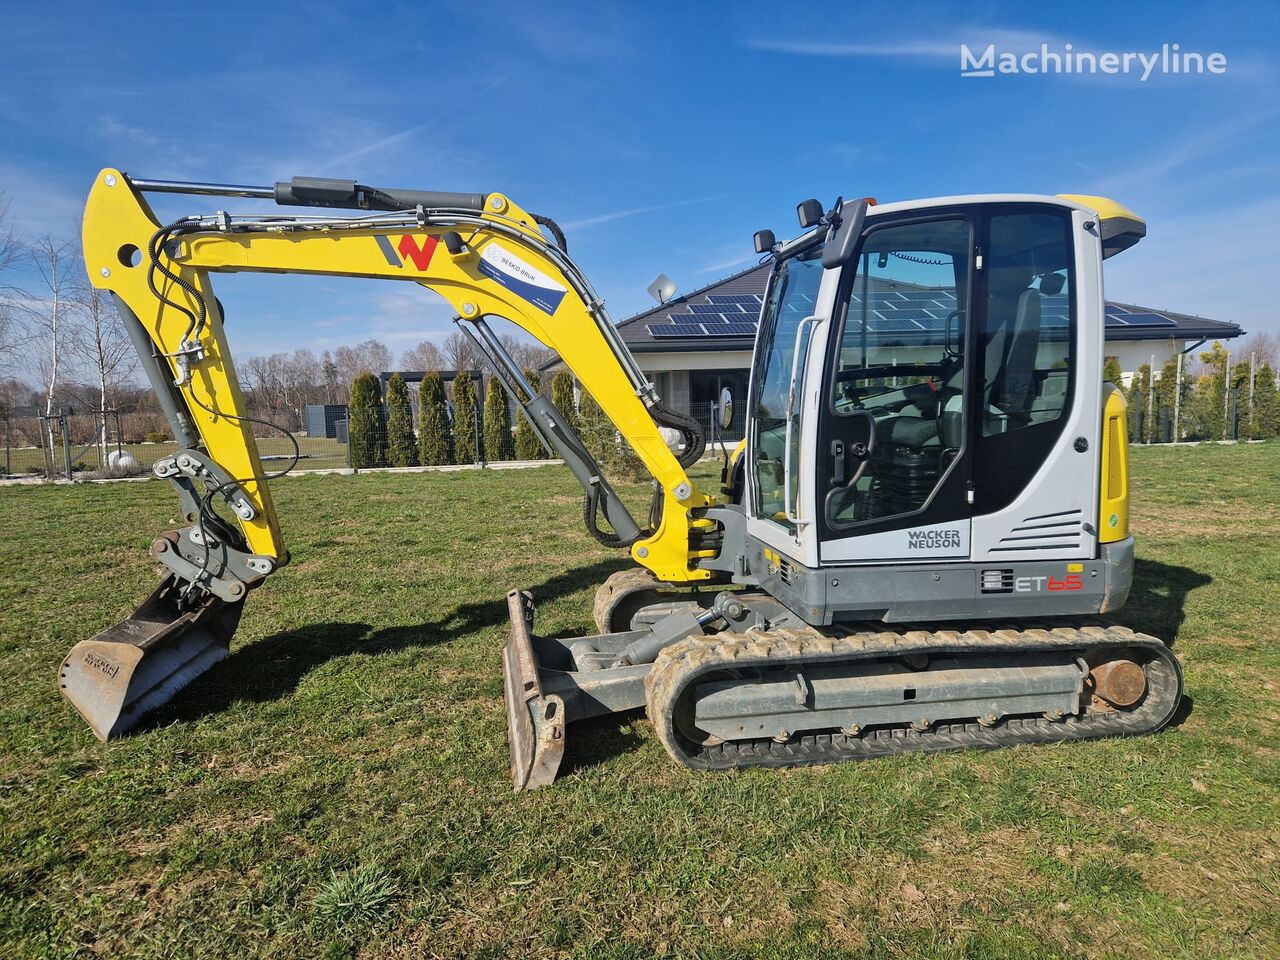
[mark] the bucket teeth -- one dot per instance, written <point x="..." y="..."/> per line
<point x="138" y="664"/>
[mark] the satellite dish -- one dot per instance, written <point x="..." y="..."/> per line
<point x="726" y="408"/>
<point x="663" y="288"/>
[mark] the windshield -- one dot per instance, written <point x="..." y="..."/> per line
<point x="904" y="321"/>
<point x="793" y="296"/>
<point x="897" y="381"/>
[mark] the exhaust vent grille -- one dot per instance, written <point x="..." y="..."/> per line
<point x="997" y="581"/>
<point x="784" y="570"/>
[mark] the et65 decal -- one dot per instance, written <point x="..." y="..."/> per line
<point x="1071" y="581"/>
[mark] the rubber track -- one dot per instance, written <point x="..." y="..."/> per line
<point x="680" y="665"/>
<point x="620" y="586"/>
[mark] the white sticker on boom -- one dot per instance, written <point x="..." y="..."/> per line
<point x="525" y="281"/>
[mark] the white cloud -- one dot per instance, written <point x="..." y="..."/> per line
<point x="945" y="47"/>
<point x="1217" y="263"/>
<point x="729" y="258"/>
<point x="1149" y="173"/>
<point x="595" y="221"/>
<point x="401" y="136"/>
<point x="39" y="203"/>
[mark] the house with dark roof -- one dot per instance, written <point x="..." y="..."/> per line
<point x="695" y="344"/>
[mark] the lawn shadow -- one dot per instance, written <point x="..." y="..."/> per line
<point x="1157" y="602"/>
<point x="272" y="667"/>
<point x="1157" y="605"/>
<point x="589" y="743"/>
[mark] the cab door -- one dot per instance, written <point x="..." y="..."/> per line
<point x="954" y="425"/>
<point x="894" y="446"/>
<point x="780" y="449"/>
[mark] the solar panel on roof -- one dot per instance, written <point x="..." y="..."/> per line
<point x="893" y="326"/>
<point x="1149" y="320"/>
<point x="676" y="329"/>
<point x="911" y="313"/>
<point x="1111" y="320"/>
<point x="1116" y="308"/>
<point x="732" y="298"/>
<point x="706" y="308"/>
<point x="740" y="329"/>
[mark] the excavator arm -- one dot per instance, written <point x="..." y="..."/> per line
<point x="483" y="254"/>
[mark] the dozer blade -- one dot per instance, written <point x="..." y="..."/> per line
<point x="129" y="669"/>
<point x="535" y="722"/>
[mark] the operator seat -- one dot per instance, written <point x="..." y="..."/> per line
<point x="1013" y="340"/>
<point x="1018" y="379"/>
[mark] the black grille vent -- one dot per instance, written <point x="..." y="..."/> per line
<point x="997" y="581"/>
<point x="784" y="570"/>
<point x="1048" y="531"/>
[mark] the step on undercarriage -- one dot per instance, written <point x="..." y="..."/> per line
<point x="795" y="694"/>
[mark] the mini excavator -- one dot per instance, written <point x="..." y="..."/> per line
<point x="913" y="549"/>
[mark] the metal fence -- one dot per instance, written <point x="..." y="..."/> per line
<point x="1151" y="421"/>
<point x="708" y="416"/>
<point x="93" y="446"/>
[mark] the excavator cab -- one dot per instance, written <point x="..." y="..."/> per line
<point x="924" y="397"/>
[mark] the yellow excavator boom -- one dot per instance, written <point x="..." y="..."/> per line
<point x="484" y="254"/>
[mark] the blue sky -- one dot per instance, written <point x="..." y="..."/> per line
<point x="660" y="135"/>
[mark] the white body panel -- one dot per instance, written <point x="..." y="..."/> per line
<point x="937" y="541"/>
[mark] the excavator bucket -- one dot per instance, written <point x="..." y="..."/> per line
<point x="552" y="682"/>
<point x="129" y="669"/>
<point x="535" y="721"/>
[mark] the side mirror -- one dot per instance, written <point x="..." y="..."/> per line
<point x="726" y="408"/>
<point x="810" y="213"/>
<point x="764" y="241"/>
<point x="839" y="248"/>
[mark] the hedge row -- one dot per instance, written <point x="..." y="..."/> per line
<point x="384" y="435"/>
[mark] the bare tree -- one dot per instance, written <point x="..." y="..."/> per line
<point x="106" y="349"/>
<point x="371" y="355"/>
<point x="10" y="245"/>
<point x="425" y="356"/>
<point x="528" y="354"/>
<point x="460" y="352"/>
<point x="1263" y="346"/>
<point x="302" y="376"/>
<point x="280" y="386"/>
<point x="52" y="309"/>
<point x="14" y="334"/>
<point x="334" y="389"/>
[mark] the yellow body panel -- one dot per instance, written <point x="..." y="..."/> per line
<point x="1104" y="207"/>
<point x="117" y="224"/>
<point x="1113" y="506"/>
<point x="116" y="219"/>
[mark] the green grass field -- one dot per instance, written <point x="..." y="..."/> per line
<point x="315" y="453"/>
<point x="339" y="786"/>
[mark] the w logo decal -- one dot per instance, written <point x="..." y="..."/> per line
<point x="408" y="250"/>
